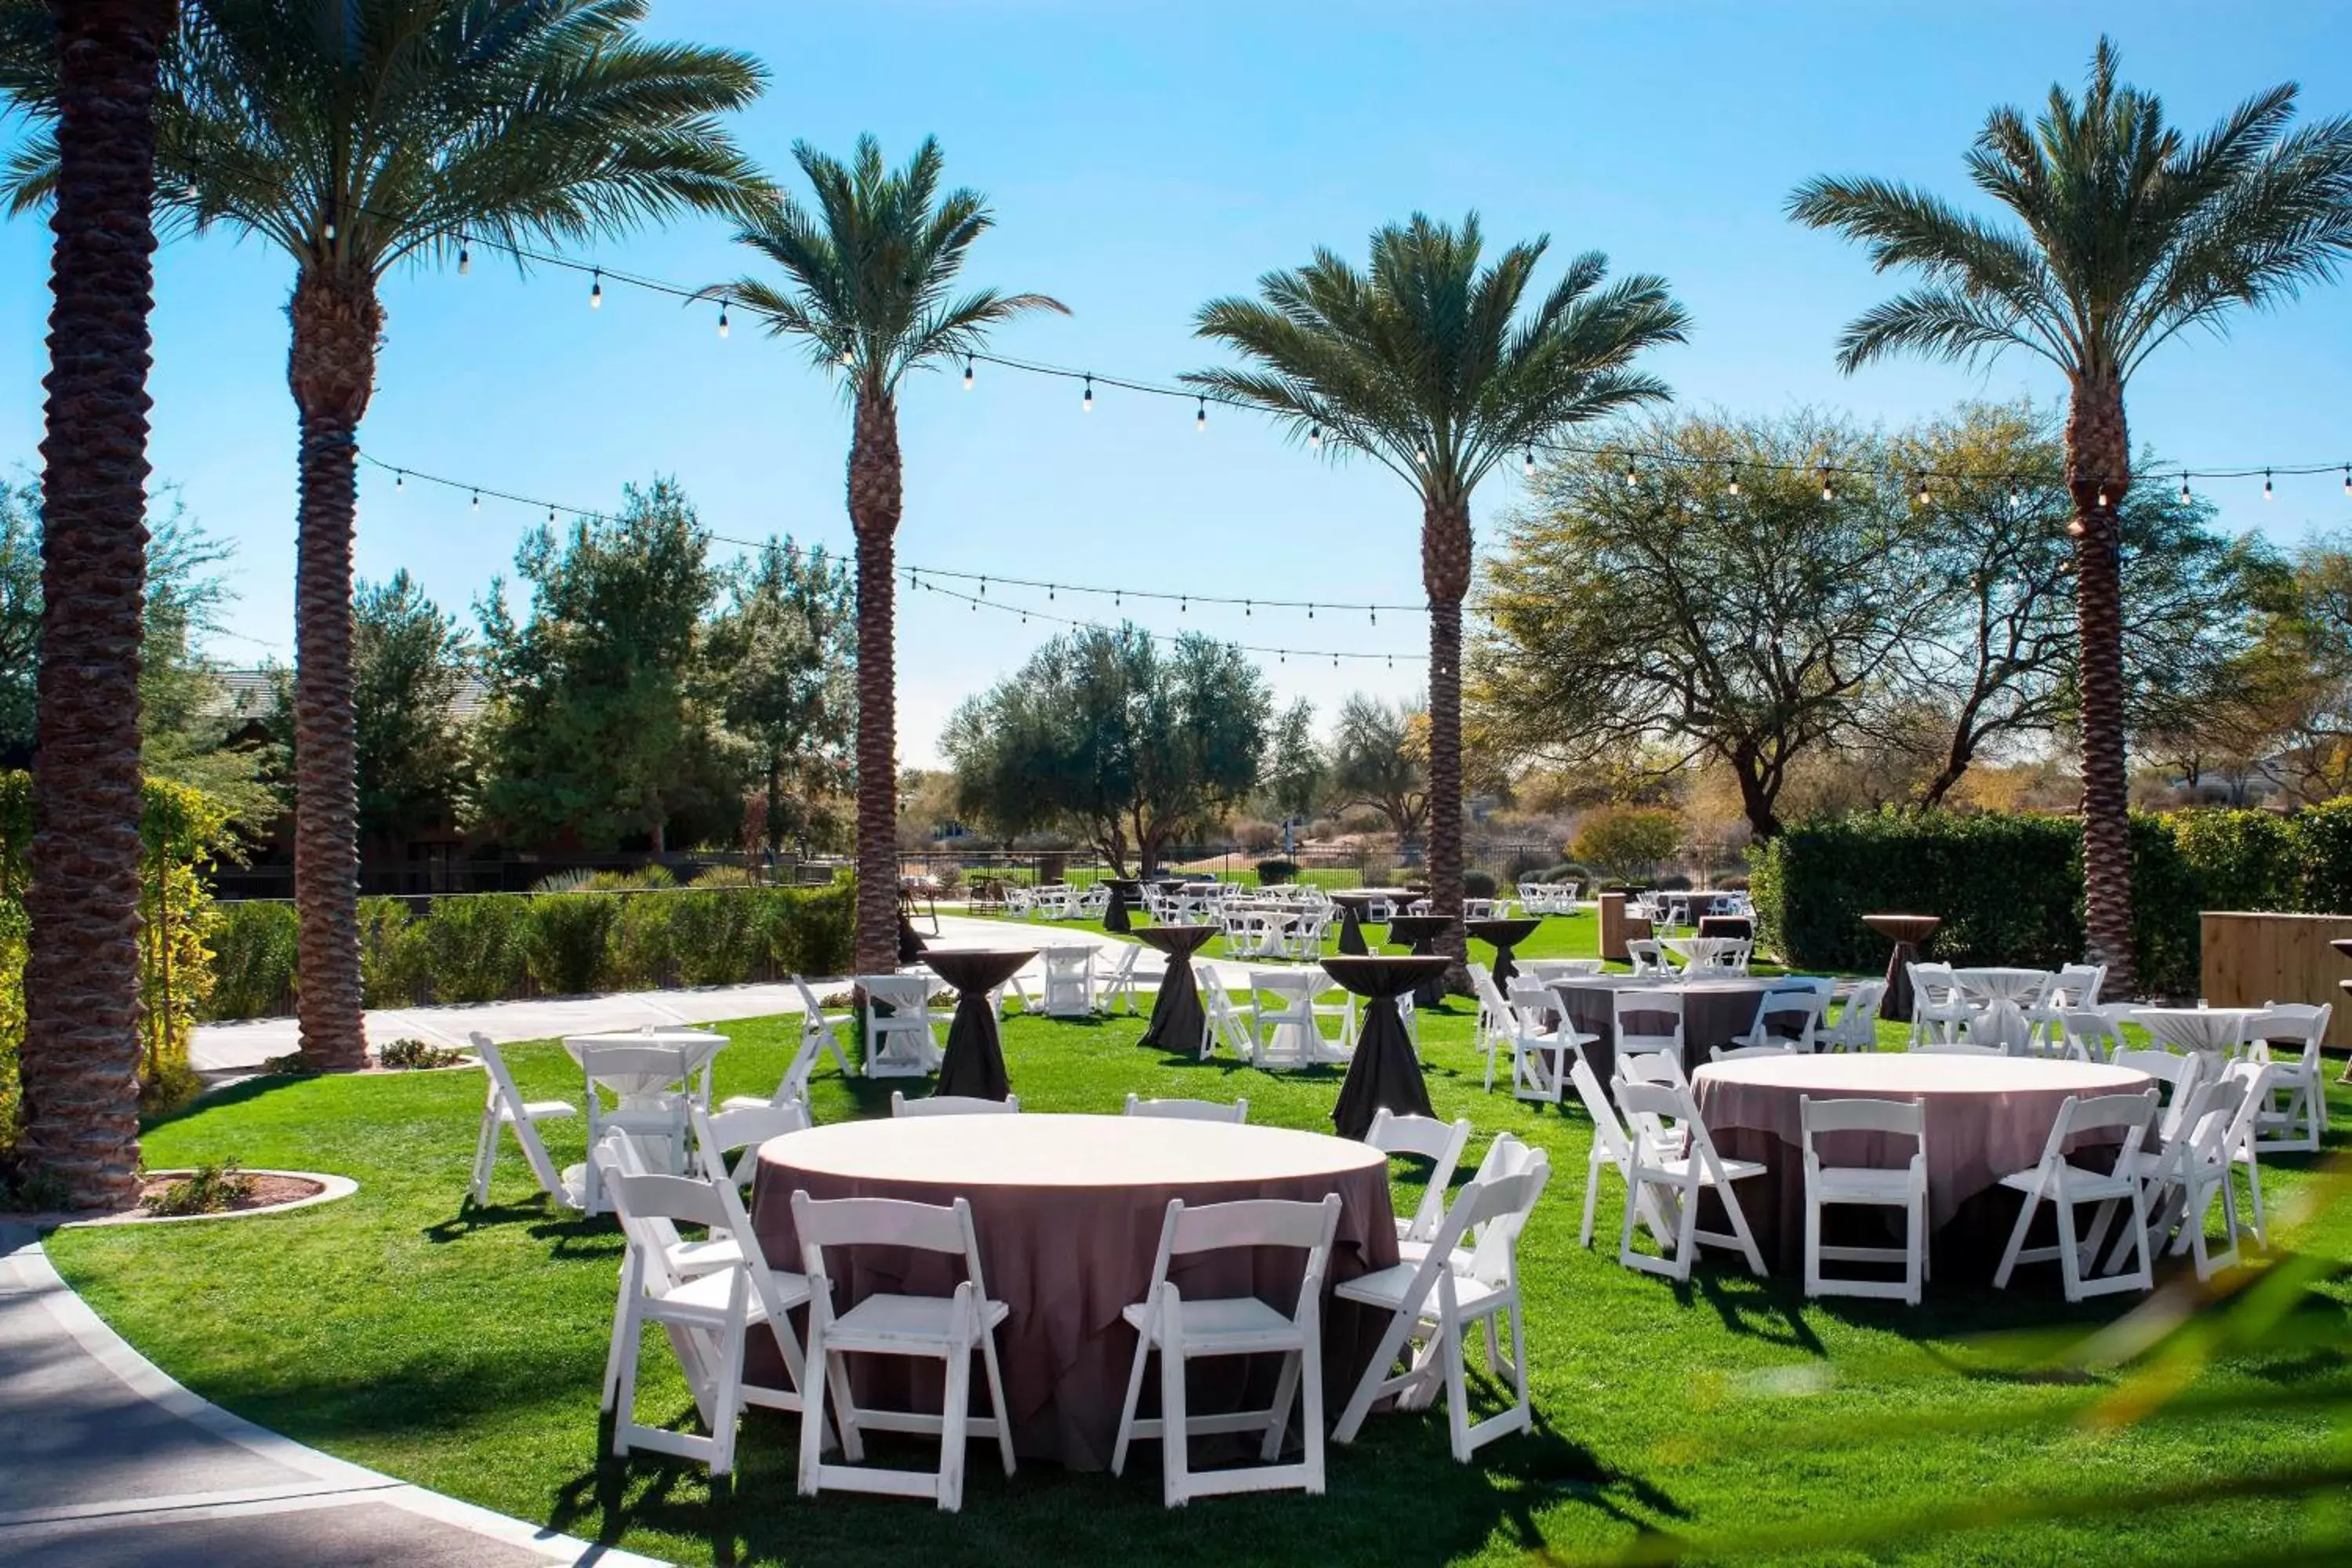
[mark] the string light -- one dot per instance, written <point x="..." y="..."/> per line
<point x="1529" y="470"/>
<point x="1315" y="440"/>
<point x="722" y="318"/>
<point x="967" y="372"/>
<point x="2347" y="478"/>
<point x="2016" y="495"/>
<point x="1633" y="474"/>
<point x="1731" y="471"/>
<point x="1201" y="418"/>
<point x="1919" y="483"/>
<point x="2267" y="486"/>
<point x="399" y="479"/>
<point x="1829" y="492"/>
<point x="1087" y="403"/>
<point x="2103" y="498"/>
<point x="849" y="355"/>
<point x="597" y="290"/>
<point x="477" y="501"/>
<point x="2184" y="489"/>
<point x="465" y="258"/>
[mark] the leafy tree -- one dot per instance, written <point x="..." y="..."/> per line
<point x="1292" y="775"/>
<point x="785" y="652"/>
<point x="359" y="134"/>
<point x="1626" y="840"/>
<point x="869" y="279"/>
<point x="600" y="722"/>
<point x="1673" y="613"/>
<point x="1105" y="732"/>
<point x="1379" y="758"/>
<point x="20" y="618"/>
<point x="88" y="73"/>
<point x="2131" y="233"/>
<point x="409" y="663"/>
<point x="1427" y="364"/>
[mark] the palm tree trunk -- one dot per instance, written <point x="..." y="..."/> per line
<point x="81" y="1056"/>
<point x="2098" y="470"/>
<point x="332" y="369"/>
<point x="873" y="505"/>
<point x="1445" y="574"/>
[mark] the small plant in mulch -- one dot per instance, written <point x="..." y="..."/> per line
<point x="290" y="1064"/>
<point x="33" y="1193"/>
<point x="208" y="1189"/>
<point x="418" y="1056"/>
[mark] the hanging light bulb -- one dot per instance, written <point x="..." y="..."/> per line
<point x="1183" y="607"/>
<point x="2103" y="498"/>
<point x="1919" y="488"/>
<point x="1246" y="606"/>
<point x="722" y="318"/>
<point x="1633" y="476"/>
<point x="2267" y="493"/>
<point x="327" y="231"/>
<point x="550" y="517"/>
<point x="2184" y="489"/>
<point x="597" y="290"/>
<point x="1421" y="455"/>
<point x="1315" y="440"/>
<point x="400" y="479"/>
<point x="1310" y="612"/>
<point x="984" y="588"/>
<point x="1529" y="468"/>
<point x="1829" y="492"/>
<point x="1086" y="402"/>
<point x="1731" y="472"/>
<point x="967" y="372"/>
<point x="1049" y="591"/>
<point x="1117" y="599"/>
<point x="1335" y="661"/>
<point x="849" y="356"/>
<point x="477" y="501"/>
<point x="1376" y="615"/>
<point x="465" y="258"/>
<point x="2016" y="494"/>
<point x="1201" y="417"/>
<point x="2347" y="479"/>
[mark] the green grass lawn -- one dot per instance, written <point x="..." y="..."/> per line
<point x="466" y="1354"/>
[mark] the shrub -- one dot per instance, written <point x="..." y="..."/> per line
<point x="2244" y="859"/>
<point x="1273" y="873"/>
<point x="475" y="947"/>
<point x="253" y="960"/>
<point x="810" y="931"/>
<point x="417" y="1055"/>
<point x="1627" y="840"/>
<point x="1477" y="884"/>
<point x="714" y="937"/>
<point x="1565" y="871"/>
<point x="1673" y="882"/>
<point x="395" y="966"/>
<point x="13" y="931"/>
<point x="2323" y="838"/>
<point x="210" y="1189"/>
<point x="568" y="938"/>
<point x="641" y="944"/>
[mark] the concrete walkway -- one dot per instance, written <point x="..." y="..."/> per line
<point x="107" y="1463"/>
<point x="220" y="1049"/>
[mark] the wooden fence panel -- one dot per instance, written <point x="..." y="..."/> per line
<point x="2251" y="958"/>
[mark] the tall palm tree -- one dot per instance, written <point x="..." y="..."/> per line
<point x="1427" y="364"/>
<point x="869" y="278"/>
<point x="358" y="134"/>
<point x="94" y="69"/>
<point x="2128" y="233"/>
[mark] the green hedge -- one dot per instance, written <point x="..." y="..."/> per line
<point x="2010" y="887"/>
<point x="487" y="947"/>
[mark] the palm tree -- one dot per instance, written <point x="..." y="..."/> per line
<point x="94" y="70"/>
<point x="2131" y="234"/>
<point x="1427" y="366"/>
<point x="358" y="134"/>
<point x="870" y="274"/>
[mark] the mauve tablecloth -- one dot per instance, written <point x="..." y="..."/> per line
<point x="1986" y="1117"/>
<point x="973" y="1062"/>
<point x="1069" y="1210"/>
<point x="1383" y="1073"/>
<point x="1176" y="1017"/>
<point x="1713" y="1012"/>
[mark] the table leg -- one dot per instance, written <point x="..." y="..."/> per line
<point x="1895" y="1007"/>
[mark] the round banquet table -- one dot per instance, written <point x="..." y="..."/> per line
<point x="1700" y="953"/>
<point x="1907" y="932"/>
<point x="1714" y="1012"/>
<point x="1176" y="1019"/>
<point x="1504" y="934"/>
<point x="2216" y="1031"/>
<point x="2004" y="993"/>
<point x="1986" y="1117"/>
<point x="1383" y="1072"/>
<point x="1738" y="928"/>
<point x="973" y="1062"/>
<point x="1125" y="891"/>
<point x="696" y="1046"/>
<point x="1067" y="1211"/>
<point x="1353" y="902"/>
<point x="1420" y="932"/>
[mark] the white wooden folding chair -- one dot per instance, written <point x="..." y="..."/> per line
<point x="2059" y="1181"/>
<point x="1120" y="984"/>
<point x="2294" y="1112"/>
<point x="2091" y="1034"/>
<point x="816" y="1037"/>
<point x="1286" y="1031"/>
<point x="1183" y="1331"/>
<point x="2244" y="1146"/>
<point x="2180" y="1071"/>
<point x="1856" y="1026"/>
<point x="1743" y="1053"/>
<point x="2181" y="1181"/>
<point x="1678" y="1179"/>
<point x="503" y="1106"/>
<point x="949" y="1329"/>
<point x="1430" y="1301"/>
<point x="899" y="1042"/>
<point x="953" y="1105"/>
<point x="1426" y="1137"/>
<point x="2074" y="989"/>
<point x="1542" y="1040"/>
<point x="1505" y="1156"/>
<point x="1938" y="1010"/>
<point x="1636" y="1017"/>
<point x="1221" y="1023"/>
<point x="1190" y="1110"/>
<point x="708" y="1315"/>
<point x="1788" y="1015"/>
<point x="1647" y="957"/>
<point x="1069" y="982"/>
<point x="1651" y="1066"/>
<point x="1494" y="1021"/>
<point x="1903" y="1188"/>
<point x="1612" y="1149"/>
<point x="651" y="1089"/>
<point x="738" y="1132"/>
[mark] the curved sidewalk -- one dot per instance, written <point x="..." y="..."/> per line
<point x="105" y="1462"/>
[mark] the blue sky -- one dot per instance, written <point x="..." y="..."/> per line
<point x="1141" y="161"/>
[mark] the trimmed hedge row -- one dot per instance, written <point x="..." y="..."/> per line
<point x="487" y="947"/>
<point x="2010" y="887"/>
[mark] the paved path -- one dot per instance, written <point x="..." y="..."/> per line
<point x="107" y="1463"/>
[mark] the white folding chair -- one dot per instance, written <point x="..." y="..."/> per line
<point x="1285" y="1033"/>
<point x="1788" y="1015"/>
<point x="1221" y="1023"/>
<point x="2074" y="989"/>
<point x="1743" y="1053"/>
<point x="1651" y="1067"/>
<point x="1190" y="1110"/>
<point x="1121" y="984"/>
<point x="2243" y="1149"/>
<point x="2065" y="1186"/>
<point x="652" y="1093"/>
<point x="1938" y="1010"/>
<point x="1439" y="1142"/>
<point x="2091" y="1034"/>
<point x="953" y="1105"/>
<point x="1647" y="957"/>
<point x="1856" y="1026"/>
<point x="1903" y="1187"/>
<point x="899" y="1042"/>
<point x="2301" y="1120"/>
<point x="1069" y="982"/>
<point x="1540" y="1045"/>
<point x="739" y="1131"/>
<point x="1430" y="1301"/>
<point x="1552" y="971"/>
<point x="1183" y="1330"/>
<point x="2181" y="1181"/>
<point x="504" y="1106"/>
<point x="1612" y="1148"/>
<point x="1494" y="1021"/>
<point x="1679" y="1179"/>
<point x="949" y="1329"/>
<point x="2181" y="1073"/>
<point x="1634" y="1014"/>
<point x="816" y="1037"/>
<point x="707" y="1314"/>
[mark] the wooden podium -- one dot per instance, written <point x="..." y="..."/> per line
<point x="1617" y="928"/>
